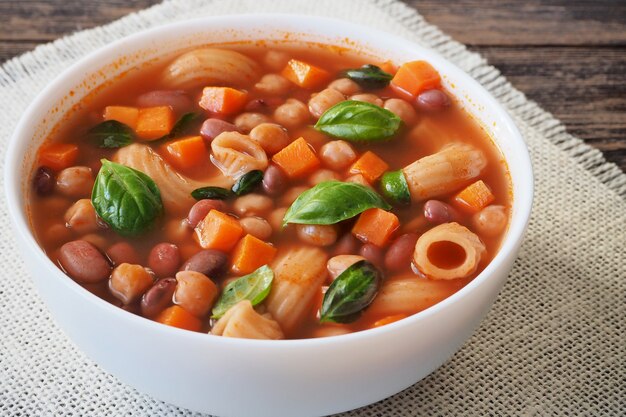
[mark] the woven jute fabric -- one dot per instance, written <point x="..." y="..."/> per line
<point x="553" y="344"/>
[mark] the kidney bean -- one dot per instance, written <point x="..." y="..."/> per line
<point x="158" y="297"/>
<point x="84" y="262"/>
<point x="399" y="254"/>
<point x="432" y="100"/>
<point x="176" y="99"/>
<point x="274" y="181"/>
<point x="164" y="259"/>
<point x="374" y="254"/>
<point x="211" y="128"/>
<point x="208" y="262"/>
<point x="438" y="212"/>
<point x="123" y="252"/>
<point x="199" y="210"/>
<point x="346" y="245"/>
<point x="44" y="181"/>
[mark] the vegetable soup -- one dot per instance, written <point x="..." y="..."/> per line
<point x="271" y="193"/>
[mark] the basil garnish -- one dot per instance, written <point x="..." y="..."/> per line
<point x="111" y="134"/>
<point x="254" y="287"/>
<point x="394" y="187"/>
<point x="358" y="121"/>
<point x="211" y="193"/>
<point x="183" y="124"/>
<point x="350" y="293"/>
<point x="330" y="202"/>
<point x="369" y="76"/>
<point x="248" y="182"/>
<point x="126" y="199"/>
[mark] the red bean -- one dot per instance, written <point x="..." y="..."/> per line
<point x="400" y="252"/>
<point x="158" y="297"/>
<point x="374" y="254"/>
<point x="346" y="245"/>
<point x="176" y="99"/>
<point x="123" y="252"/>
<point x="164" y="259"/>
<point x="432" y="100"/>
<point x="438" y="212"/>
<point x="199" y="210"/>
<point x="208" y="262"/>
<point x="84" y="262"/>
<point x="44" y="181"/>
<point x="213" y="127"/>
<point x="274" y="181"/>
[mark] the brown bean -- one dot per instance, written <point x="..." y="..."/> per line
<point x="346" y="245"/>
<point x="44" y="181"/>
<point x="199" y="210"/>
<point x="432" y="100"/>
<point x="209" y="262"/>
<point x="158" y="297"/>
<point x="83" y="262"/>
<point x="123" y="252"/>
<point x="176" y="99"/>
<point x="211" y="128"/>
<point x="399" y="254"/>
<point x="374" y="254"/>
<point x="274" y="181"/>
<point x="438" y="212"/>
<point x="164" y="259"/>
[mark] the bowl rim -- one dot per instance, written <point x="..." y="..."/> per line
<point x="81" y="69"/>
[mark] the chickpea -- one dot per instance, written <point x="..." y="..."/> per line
<point x="491" y="220"/>
<point x="248" y="121"/>
<point x="75" y="181"/>
<point x="317" y="234"/>
<point x="256" y="227"/>
<point x="81" y="217"/>
<point x="337" y="264"/>
<point x="337" y="154"/>
<point x="270" y="136"/>
<point x="368" y="98"/>
<point x="273" y="84"/>
<point x="128" y="282"/>
<point x="324" y="100"/>
<point x="57" y="232"/>
<point x="276" y="218"/>
<point x="178" y="230"/>
<point x="253" y="205"/>
<point x="345" y="86"/>
<point x="292" y="113"/>
<point x="195" y="292"/>
<point x="322" y="175"/>
<point x="276" y="60"/>
<point x="292" y="194"/>
<point x="402" y="109"/>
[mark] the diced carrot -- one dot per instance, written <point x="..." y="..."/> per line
<point x="250" y="254"/>
<point x="297" y="159"/>
<point x="223" y="100"/>
<point x="475" y="197"/>
<point x="58" y="156"/>
<point x="154" y="122"/>
<point x="389" y="67"/>
<point x="388" y="319"/>
<point x="177" y="316"/>
<point x="218" y="231"/>
<point x="370" y="166"/>
<point x="414" y="77"/>
<point x="187" y="152"/>
<point x="304" y="74"/>
<point x="375" y="226"/>
<point x="126" y="115"/>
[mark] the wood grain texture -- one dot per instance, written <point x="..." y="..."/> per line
<point x="567" y="55"/>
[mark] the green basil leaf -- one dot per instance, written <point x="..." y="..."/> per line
<point x="350" y="293"/>
<point x="248" y="182"/>
<point x="330" y="202"/>
<point x="369" y="76"/>
<point x="111" y="134"/>
<point x="254" y="287"/>
<point x="394" y="186"/>
<point x="211" y="193"/>
<point x="358" y="121"/>
<point x="183" y="124"/>
<point x="128" y="200"/>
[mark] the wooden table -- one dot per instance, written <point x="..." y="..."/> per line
<point x="567" y="55"/>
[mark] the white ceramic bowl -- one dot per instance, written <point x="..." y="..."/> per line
<point x="237" y="377"/>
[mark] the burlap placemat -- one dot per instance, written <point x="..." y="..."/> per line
<point x="554" y="343"/>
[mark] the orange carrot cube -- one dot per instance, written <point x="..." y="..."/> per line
<point x="177" y="316"/>
<point x="375" y="226"/>
<point x="58" y="156"/>
<point x="187" y="152"/>
<point x="122" y="114"/>
<point x="250" y="254"/>
<point x="297" y="159"/>
<point x="475" y="197"/>
<point x="370" y="166"/>
<point x="304" y="74"/>
<point x="415" y="77"/>
<point x="223" y="100"/>
<point x="154" y="122"/>
<point x="218" y="231"/>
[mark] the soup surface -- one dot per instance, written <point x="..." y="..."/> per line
<point x="271" y="193"/>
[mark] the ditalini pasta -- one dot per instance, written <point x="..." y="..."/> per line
<point x="274" y="192"/>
